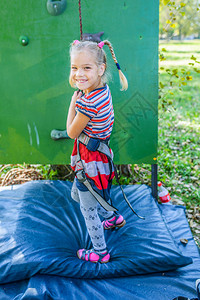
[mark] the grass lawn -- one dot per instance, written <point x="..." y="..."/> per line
<point x="179" y="126"/>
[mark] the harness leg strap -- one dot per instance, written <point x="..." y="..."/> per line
<point x="100" y="199"/>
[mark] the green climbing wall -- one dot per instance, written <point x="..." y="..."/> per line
<point x="34" y="89"/>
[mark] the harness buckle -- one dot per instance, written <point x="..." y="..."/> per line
<point x="93" y="144"/>
<point x="80" y="175"/>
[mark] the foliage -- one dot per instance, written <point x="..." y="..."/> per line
<point x="178" y="73"/>
<point x="179" y="18"/>
<point x="179" y="132"/>
<point x="47" y="172"/>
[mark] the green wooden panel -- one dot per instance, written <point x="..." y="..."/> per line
<point x="34" y="89"/>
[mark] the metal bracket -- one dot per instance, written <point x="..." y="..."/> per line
<point x="154" y="179"/>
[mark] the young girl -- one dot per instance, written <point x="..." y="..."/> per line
<point x="90" y="118"/>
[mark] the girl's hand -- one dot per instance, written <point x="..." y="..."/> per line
<point x="76" y="95"/>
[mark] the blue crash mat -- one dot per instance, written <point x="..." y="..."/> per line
<point x="37" y="220"/>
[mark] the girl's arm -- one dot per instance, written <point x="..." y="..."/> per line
<point x="75" y="122"/>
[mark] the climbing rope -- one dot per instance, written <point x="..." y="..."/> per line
<point x="80" y="19"/>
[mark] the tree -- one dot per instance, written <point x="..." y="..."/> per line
<point x="179" y="19"/>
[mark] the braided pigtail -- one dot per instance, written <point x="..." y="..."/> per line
<point x="123" y="80"/>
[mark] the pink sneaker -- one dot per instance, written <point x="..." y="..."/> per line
<point x="116" y="221"/>
<point x="91" y="255"/>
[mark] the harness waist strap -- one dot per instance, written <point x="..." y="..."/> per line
<point x="101" y="147"/>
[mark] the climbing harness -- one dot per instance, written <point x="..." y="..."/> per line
<point x="94" y="144"/>
<point x="81" y="177"/>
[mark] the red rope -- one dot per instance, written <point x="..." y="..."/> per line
<point x="80" y="18"/>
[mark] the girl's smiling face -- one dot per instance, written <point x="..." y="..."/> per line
<point x="85" y="73"/>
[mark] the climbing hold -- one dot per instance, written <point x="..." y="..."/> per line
<point x="56" y="7"/>
<point x="57" y="134"/>
<point x="96" y="37"/>
<point x="23" y="40"/>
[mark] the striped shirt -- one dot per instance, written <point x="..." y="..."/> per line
<point x="97" y="105"/>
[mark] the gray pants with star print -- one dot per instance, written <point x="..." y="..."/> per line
<point x="91" y="210"/>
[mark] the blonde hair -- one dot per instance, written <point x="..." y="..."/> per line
<point x="99" y="53"/>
